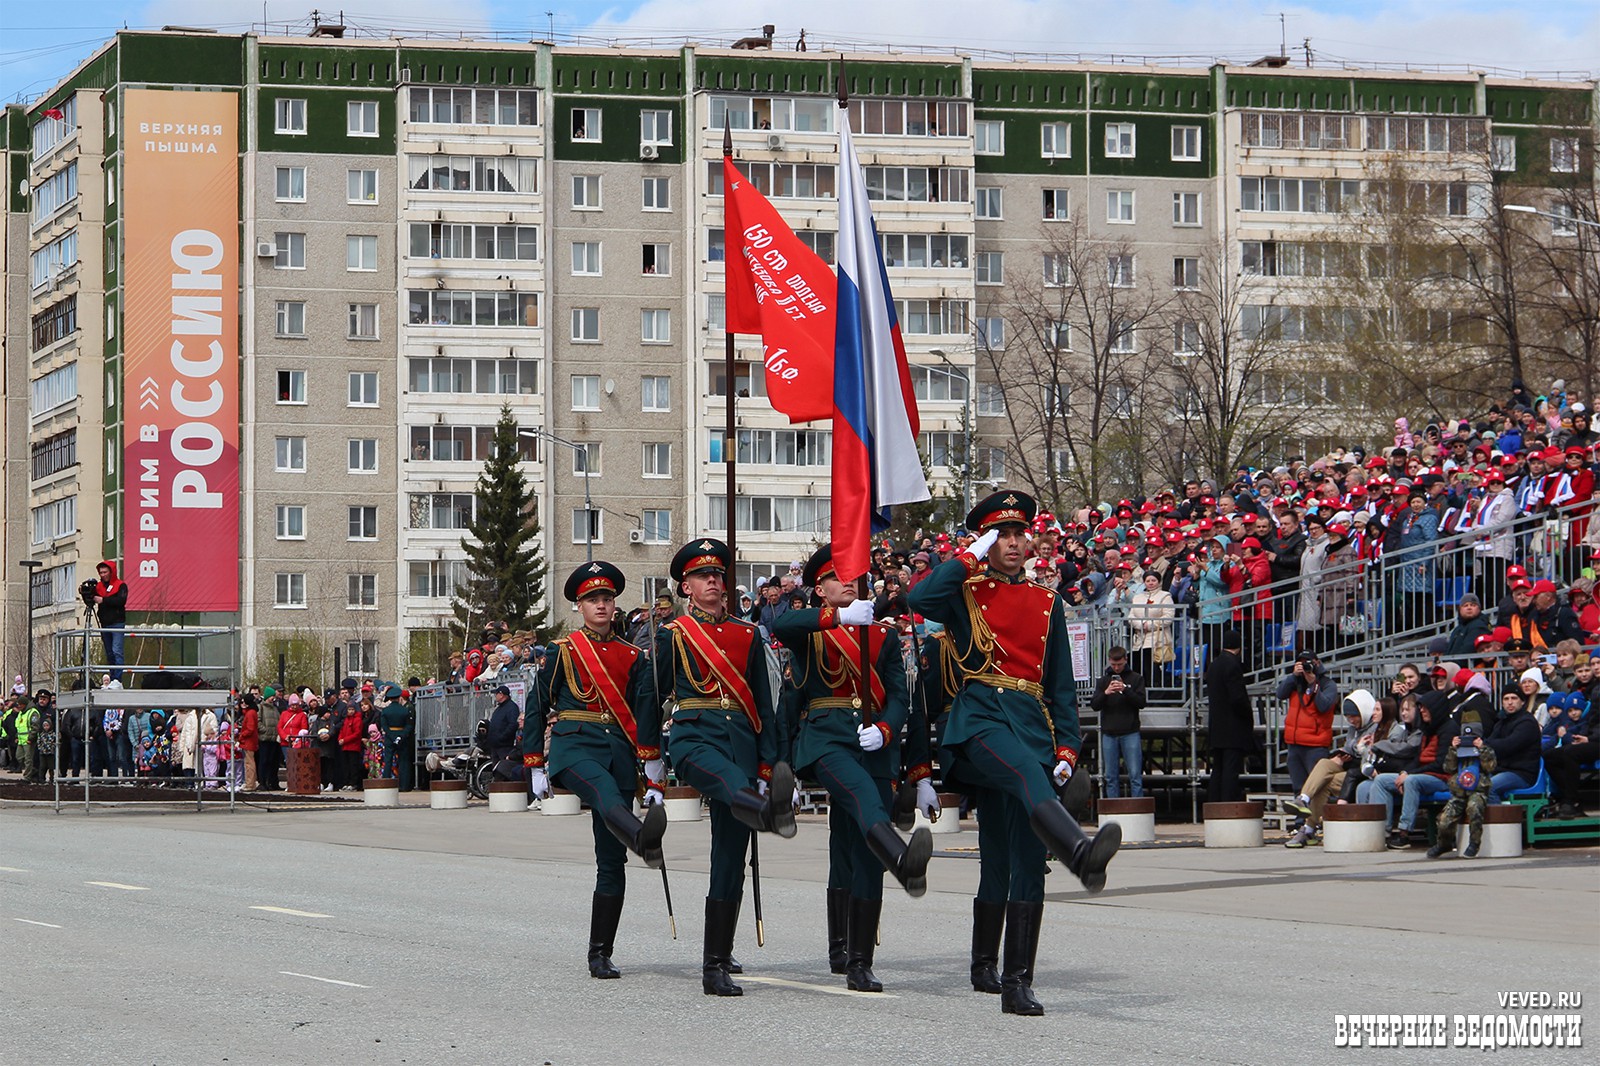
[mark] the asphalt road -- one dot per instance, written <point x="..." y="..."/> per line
<point x="418" y="936"/>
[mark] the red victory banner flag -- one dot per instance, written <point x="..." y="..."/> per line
<point x="782" y="290"/>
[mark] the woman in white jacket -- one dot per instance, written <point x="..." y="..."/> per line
<point x="1151" y="613"/>
<point x="191" y="731"/>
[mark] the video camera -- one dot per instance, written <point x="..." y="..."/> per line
<point x="86" y="591"/>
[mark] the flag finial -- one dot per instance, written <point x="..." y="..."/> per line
<point x="727" y="136"/>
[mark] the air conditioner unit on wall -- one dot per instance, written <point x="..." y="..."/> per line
<point x="405" y="76"/>
<point x="266" y="250"/>
<point x="774" y="141"/>
<point x="649" y="151"/>
<point x="635" y="536"/>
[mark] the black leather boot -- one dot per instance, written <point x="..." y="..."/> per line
<point x="904" y="812"/>
<point x="722" y="916"/>
<point x="604" y="915"/>
<point x="907" y="862"/>
<point x="862" y="938"/>
<point x="772" y="813"/>
<point x="987" y="921"/>
<point x="1086" y="857"/>
<point x="642" y="838"/>
<point x="1022" y="946"/>
<point x="838" y="923"/>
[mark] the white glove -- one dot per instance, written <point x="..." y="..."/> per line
<point x="1063" y="771"/>
<point x="927" y="799"/>
<point x="870" y="737"/>
<point x="856" y="613"/>
<point x="761" y="786"/>
<point x="655" y="771"/>
<point x="794" y="803"/>
<point x="980" y="547"/>
<point x="653" y="797"/>
<point x="540" y="783"/>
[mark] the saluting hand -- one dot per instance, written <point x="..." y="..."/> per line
<point x="980" y="547"/>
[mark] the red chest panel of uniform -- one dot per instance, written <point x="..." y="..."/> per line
<point x="734" y="638"/>
<point x="617" y="657"/>
<point x="1019" y="617"/>
<point x="832" y="657"/>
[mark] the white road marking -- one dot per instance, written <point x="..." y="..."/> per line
<point x="295" y="913"/>
<point x="114" y="884"/>
<point x="784" y="982"/>
<point x="12" y="870"/>
<point x="324" y="980"/>
<point x="29" y="921"/>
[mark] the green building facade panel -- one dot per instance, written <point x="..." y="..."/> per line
<point x="1024" y="143"/>
<point x="606" y="75"/>
<point x="440" y="66"/>
<point x="1150" y="92"/>
<point x="1152" y="147"/>
<point x="619" y="129"/>
<point x="327" y="121"/>
<point x="1273" y="92"/>
<point x="181" y="59"/>
<point x="1030" y="89"/>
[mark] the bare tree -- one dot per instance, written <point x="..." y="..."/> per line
<point x="1565" y="287"/>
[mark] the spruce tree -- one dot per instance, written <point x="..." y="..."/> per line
<point x="507" y="571"/>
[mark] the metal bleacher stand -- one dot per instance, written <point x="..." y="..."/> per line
<point x="178" y="649"/>
<point x="1364" y="648"/>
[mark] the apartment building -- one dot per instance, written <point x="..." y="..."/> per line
<point x="431" y="231"/>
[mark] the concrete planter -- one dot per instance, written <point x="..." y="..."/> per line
<point x="1136" y="816"/>
<point x="380" y="792"/>
<point x="560" y="804"/>
<point x="1353" y="827"/>
<point x="683" y="804"/>
<point x="508" y="797"/>
<point x="447" y="794"/>
<point x="1234" y="825"/>
<point x="1502" y="832"/>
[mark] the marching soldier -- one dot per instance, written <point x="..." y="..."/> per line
<point x="849" y="739"/>
<point x="399" y="720"/>
<point x="724" y="737"/>
<point x="1015" y="715"/>
<point x="602" y="694"/>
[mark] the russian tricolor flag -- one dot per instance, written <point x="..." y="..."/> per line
<point x="875" y="460"/>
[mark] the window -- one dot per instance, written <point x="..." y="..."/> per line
<point x="1057" y="336"/>
<point x="716" y="312"/>
<point x="475" y="107"/>
<point x="467" y="307"/>
<point x="1119" y="140"/>
<point x="1122" y="337"/>
<point x="361" y="593"/>
<point x="1056" y="205"/>
<point x="484" y="377"/>
<point x="53" y="454"/>
<point x="361" y="252"/>
<point x="291" y="185"/>
<point x="773" y="514"/>
<point x="905" y="118"/>
<point x="939" y="383"/>
<point x="796" y="114"/>
<point x="291" y="521"/>
<point x="989" y="137"/>
<point x="989" y="202"/>
<point x="1185" y="337"/>
<point x="656" y="391"/>
<point x="58" y="190"/>
<point x="291" y="116"/>
<point x="54" y="259"/>
<point x="291" y="318"/>
<point x="586" y="324"/>
<point x="587" y="526"/>
<point x="436" y="578"/>
<point x="990" y="267"/>
<point x="55" y="519"/>
<point x="1119" y="205"/>
<point x="1057" y="269"/>
<point x="442" y="443"/>
<point x="942" y="449"/>
<point x="991" y="332"/>
<point x="1185" y="272"/>
<point x="364" y="389"/>
<point x="586" y="392"/>
<point x="55" y="389"/>
<point x="937" y="250"/>
<point x="473" y="173"/>
<point x="657" y="460"/>
<point x="655" y="127"/>
<point x="816" y="181"/>
<point x="586" y="123"/>
<point x="361" y="186"/>
<point x="991" y="399"/>
<point x="1186" y="144"/>
<point x="50" y="131"/>
<point x="363" y="456"/>
<point x="1299" y="194"/>
<point x="1055" y="141"/>
<point x="586" y="192"/>
<point x="361" y="657"/>
<point x="657" y="526"/>
<point x="363" y="322"/>
<point x="655" y="325"/>
<point x="1186" y="209"/>
<point x="56" y="322"/>
<point x="442" y="510"/>
<point x="586" y="258"/>
<point x="290" y="455"/>
<point x="658" y="194"/>
<point x="916" y="185"/>
<point x="291" y="251"/>
<point x="463" y="240"/>
<point x="1317" y="131"/>
<point x="990" y="464"/>
<point x="586" y="459"/>
<point x="362" y="523"/>
<point x="1119" y="271"/>
<point x="1564" y="155"/>
<point x="1563" y="221"/>
<point x="289" y="590"/>
<point x="942" y="317"/>
<point x="361" y="118"/>
<point x="291" y="386"/>
<point x="656" y="259"/>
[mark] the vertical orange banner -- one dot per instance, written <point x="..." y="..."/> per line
<point x="180" y="380"/>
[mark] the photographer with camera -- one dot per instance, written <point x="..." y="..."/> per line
<point x="108" y="598"/>
<point x="1307" y="716"/>
<point x="1119" y="696"/>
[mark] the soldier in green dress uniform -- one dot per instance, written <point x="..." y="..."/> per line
<point x="601" y="693"/>
<point x="399" y="720"/>
<point x="1013" y="726"/>
<point x="852" y="749"/>
<point x="724" y="738"/>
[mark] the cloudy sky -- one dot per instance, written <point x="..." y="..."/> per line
<point x="41" y="42"/>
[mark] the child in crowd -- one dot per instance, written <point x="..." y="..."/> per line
<point x="1567" y="725"/>
<point x="1470" y="765"/>
<point x="372" y="751"/>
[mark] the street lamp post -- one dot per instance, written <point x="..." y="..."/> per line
<point x="967" y="413"/>
<point x="588" y="505"/>
<point x="29" y="566"/>
<point x="1573" y="219"/>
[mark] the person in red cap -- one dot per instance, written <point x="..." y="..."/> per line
<point x="1497" y="541"/>
<point x="1257" y="605"/>
<point x="1570" y="491"/>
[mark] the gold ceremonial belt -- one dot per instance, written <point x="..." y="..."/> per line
<point x="829" y="703"/>
<point x="604" y="717"/>
<point x="695" y="703"/>
<point x="1017" y="684"/>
